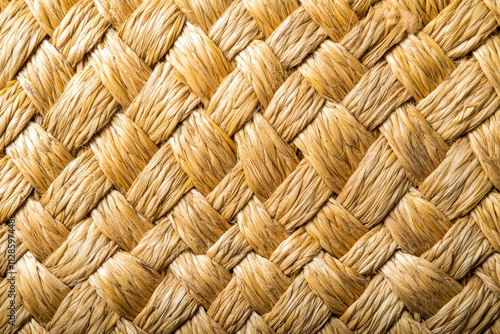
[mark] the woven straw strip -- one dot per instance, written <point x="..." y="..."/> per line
<point x="250" y="166"/>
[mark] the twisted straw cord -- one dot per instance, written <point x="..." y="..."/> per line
<point x="208" y="165"/>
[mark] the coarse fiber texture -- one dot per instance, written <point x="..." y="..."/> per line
<point x="250" y="166"/>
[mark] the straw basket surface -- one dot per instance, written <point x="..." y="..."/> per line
<point x="249" y="166"/>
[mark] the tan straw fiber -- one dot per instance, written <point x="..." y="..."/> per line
<point x="250" y="166"/>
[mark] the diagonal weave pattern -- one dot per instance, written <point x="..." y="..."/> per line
<point x="251" y="166"/>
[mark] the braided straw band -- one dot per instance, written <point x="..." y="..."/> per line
<point x="250" y="166"/>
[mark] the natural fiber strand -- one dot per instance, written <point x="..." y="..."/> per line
<point x="250" y="166"/>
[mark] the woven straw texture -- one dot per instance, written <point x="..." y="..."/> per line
<point x="250" y="166"/>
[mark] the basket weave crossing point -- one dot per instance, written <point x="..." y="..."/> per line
<point x="249" y="166"/>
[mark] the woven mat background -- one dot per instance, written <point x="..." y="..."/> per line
<point x="250" y="166"/>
